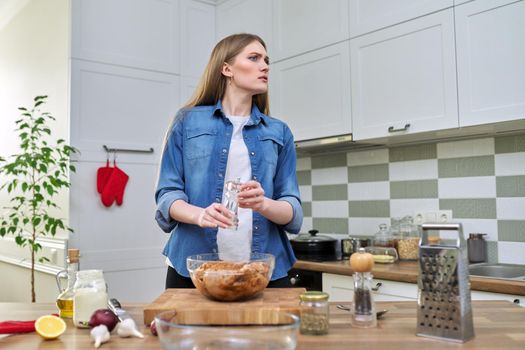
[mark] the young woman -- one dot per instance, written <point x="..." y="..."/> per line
<point x="225" y="133"/>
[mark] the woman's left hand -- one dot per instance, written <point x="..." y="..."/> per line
<point x="251" y="196"/>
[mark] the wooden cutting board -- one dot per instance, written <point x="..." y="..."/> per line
<point x="194" y="308"/>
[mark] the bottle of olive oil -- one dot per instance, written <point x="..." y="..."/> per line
<point x="65" y="298"/>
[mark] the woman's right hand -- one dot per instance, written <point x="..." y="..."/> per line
<point x="215" y="215"/>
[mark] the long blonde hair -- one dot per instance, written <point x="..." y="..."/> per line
<point x="212" y="84"/>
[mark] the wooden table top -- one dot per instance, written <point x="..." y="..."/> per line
<point x="406" y="271"/>
<point x="497" y="324"/>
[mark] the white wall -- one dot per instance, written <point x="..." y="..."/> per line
<point x="34" y="46"/>
<point x="16" y="285"/>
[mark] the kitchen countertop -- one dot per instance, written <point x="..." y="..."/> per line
<point x="406" y="271"/>
<point x="497" y="324"/>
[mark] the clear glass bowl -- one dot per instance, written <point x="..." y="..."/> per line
<point x="175" y="335"/>
<point x="230" y="280"/>
<point x="383" y="255"/>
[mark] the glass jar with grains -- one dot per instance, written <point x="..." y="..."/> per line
<point x="408" y="243"/>
<point x="314" y="313"/>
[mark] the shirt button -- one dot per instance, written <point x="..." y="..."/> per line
<point x="217" y="200"/>
<point x="224" y="150"/>
<point x="252" y="153"/>
<point x="254" y="177"/>
<point x="256" y="227"/>
<point x="215" y="250"/>
<point x="220" y="174"/>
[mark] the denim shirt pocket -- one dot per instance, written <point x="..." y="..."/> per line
<point x="199" y="142"/>
<point x="271" y="145"/>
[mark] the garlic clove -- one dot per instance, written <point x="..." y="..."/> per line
<point x="128" y="328"/>
<point x="100" y="335"/>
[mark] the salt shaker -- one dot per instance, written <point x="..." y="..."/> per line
<point x="230" y="200"/>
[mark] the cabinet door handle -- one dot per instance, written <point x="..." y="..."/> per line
<point x="376" y="288"/>
<point x="294" y="280"/>
<point x="392" y="129"/>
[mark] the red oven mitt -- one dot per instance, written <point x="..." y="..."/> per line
<point x="114" y="189"/>
<point x="103" y="174"/>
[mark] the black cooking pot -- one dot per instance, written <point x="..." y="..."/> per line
<point x="312" y="247"/>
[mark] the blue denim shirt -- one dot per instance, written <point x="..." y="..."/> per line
<point x="192" y="169"/>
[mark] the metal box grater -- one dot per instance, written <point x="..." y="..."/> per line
<point x="444" y="306"/>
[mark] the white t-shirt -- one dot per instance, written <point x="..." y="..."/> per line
<point x="237" y="244"/>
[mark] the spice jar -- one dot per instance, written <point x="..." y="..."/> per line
<point x="90" y="294"/>
<point x="349" y="246"/>
<point x="314" y="313"/>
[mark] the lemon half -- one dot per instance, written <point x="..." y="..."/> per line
<point x="50" y="327"/>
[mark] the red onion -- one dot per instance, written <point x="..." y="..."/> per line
<point x="153" y="328"/>
<point x="105" y="317"/>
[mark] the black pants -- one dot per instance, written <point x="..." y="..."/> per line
<point x="174" y="280"/>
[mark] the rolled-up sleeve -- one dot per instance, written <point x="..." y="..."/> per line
<point x="285" y="182"/>
<point x="171" y="184"/>
<point x="294" y="226"/>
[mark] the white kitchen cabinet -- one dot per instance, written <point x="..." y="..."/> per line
<point x="311" y="92"/>
<point x="490" y="39"/>
<point x="404" y="78"/>
<point x="341" y="287"/>
<point x="245" y="16"/>
<point x="131" y="62"/>
<point x="338" y="287"/>
<point x="197" y="36"/>
<point x="187" y="88"/>
<point x="304" y="25"/>
<point x="134" y="33"/>
<point x="126" y="108"/>
<point x="122" y="108"/>
<point x="477" y="295"/>
<point x="369" y="15"/>
<point x="459" y="2"/>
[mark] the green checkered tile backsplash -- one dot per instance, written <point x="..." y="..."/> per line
<point x="481" y="180"/>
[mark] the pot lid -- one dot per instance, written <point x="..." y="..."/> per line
<point x="312" y="236"/>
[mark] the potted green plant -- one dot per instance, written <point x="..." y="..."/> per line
<point x="32" y="179"/>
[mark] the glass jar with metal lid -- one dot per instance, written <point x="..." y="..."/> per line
<point x="314" y="313"/>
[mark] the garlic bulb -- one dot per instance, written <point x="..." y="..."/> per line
<point x="128" y="328"/>
<point x="100" y="334"/>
